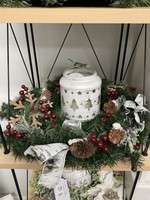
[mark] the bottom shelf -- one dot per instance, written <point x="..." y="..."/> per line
<point x="9" y="162"/>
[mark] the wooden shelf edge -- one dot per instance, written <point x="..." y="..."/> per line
<point x="75" y="15"/>
<point x="9" y="162"/>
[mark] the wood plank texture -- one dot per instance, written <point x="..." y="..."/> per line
<point x="9" y="162"/>
<point x="75" y="15"/>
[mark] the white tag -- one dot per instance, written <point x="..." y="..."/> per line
<point x="61" y="191"/>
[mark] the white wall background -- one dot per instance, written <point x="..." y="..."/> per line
<point x="48" y="38"/>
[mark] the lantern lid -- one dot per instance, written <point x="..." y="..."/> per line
<point x="79" y="73"/>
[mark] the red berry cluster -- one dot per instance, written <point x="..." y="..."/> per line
<point x="45" y="110"/>
<point x="12" y="133"/>
<point x="112" y="94"/>
<point x="137" y="146"/>
<point x="22" y="92"/>
<point x="57" y="88"/>
<point x="101" y="143"/>
<point x="106" y="117"/>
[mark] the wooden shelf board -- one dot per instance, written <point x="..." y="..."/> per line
<point x="9" y="162"/>
<point x="75" y="15"/>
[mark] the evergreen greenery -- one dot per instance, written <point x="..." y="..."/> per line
<point x="47" y="134"/>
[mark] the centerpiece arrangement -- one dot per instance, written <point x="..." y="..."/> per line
<point x="97" y="124"/>
<point x="85" y="3"/>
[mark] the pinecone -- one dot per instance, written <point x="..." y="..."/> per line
<point x="116" y="135"/>
<point x="110" y="107"/>
<point x="111" y="195"/>
<point x="131" y="89"/>
<point x="46" y="95"/>
<point x="82" y="149"/>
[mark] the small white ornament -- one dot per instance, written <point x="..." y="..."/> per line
<point x="80" y="93"/>
<point x="117" y="126"/>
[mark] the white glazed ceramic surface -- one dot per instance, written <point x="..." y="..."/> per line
<point x="80" y="93"/>
<point x="77" y="178"/>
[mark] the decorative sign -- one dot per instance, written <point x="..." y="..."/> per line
<point x="61" y="191"/>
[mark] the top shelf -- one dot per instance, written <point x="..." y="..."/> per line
<point x="75" y="15"/>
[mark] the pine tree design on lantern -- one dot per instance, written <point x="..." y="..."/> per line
<point x="88" y="105"/>
<point x="62" y="101"/>
<point x="74" y="105"/>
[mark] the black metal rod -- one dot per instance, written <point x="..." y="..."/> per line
<point x="16" y="183"/>
<point x="21" y="54"/>
<point x="8" y="71"/>
<point x="125" y="51"/>
<point x="134" y="185"/>
<point x="6" y="150"/>
<point x="34" y="52"/>
<point x="29" y="54"/>
<point x="127" y="68"/>
<point x="119" y="53"/>
<point x="124" y="185"/>
<point x="27" y="179"/>
<point x="145" y="61"/>
<point x="59" y="51"/>
<point x="94" y="50"/>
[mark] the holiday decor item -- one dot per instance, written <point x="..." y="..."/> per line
<point x="117" y="132"/>
<point x="81" y="3"/>
<point x="80" y="89"/>
<point x="77" y="178"/>
<point x="101" y="185"/>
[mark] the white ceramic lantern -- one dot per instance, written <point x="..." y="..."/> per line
<point x="77" y="178"/>
<point x="80" y="93"/>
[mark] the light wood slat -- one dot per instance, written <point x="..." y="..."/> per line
<point x="8" y="162"/>
<point x="75" y="15"/>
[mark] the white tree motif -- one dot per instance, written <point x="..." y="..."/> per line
<point x="74" y="105"/>
<point x="88" y="104"/>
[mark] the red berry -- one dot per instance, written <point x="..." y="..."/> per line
<point x="104" y="119"/>
<point x="47" y="106"/>
<point x="46" y="116"/>
<point x="42" y="109"/>
<point x="21" y="92"/>
<point x="93" y="135"/>
<point x="56" y="89"/>
<point x="104" y="138"/>
<point x="105" y="149"/>
<point x="8" y="126"/>
<point x="26" y="89"/>
<point x="14" y="132"/>
<point x="113" y="93"/>
<point x="134" y="168"/>
<point x="108" y="115"/>
<point x="19" y="135"/>
<point x="99" y="144"/>
<point x="21" y="98"/>
<point x="116" y="93"/>
<point x="8" y="134"/>
<point x="109" y="94"/>
<point x="55" y="125"/>
<point x="137" y="146"/>
<point x="23" y="86"/>
<point x="53" y="116"/>
<point x="41" y="102"/>
<point x="93" y="140"/>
